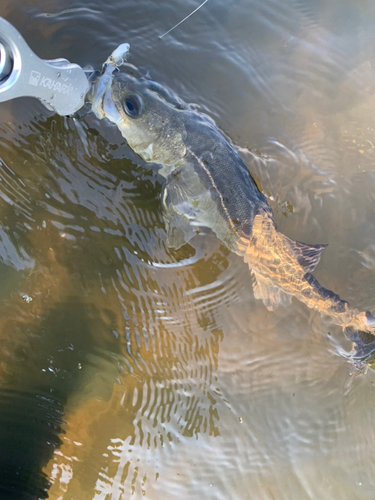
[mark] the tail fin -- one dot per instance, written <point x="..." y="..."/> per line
<point x="282" y="268"/>
<point x="361" y="331"/>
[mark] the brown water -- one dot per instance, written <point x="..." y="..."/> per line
<point x="139" y="371"/>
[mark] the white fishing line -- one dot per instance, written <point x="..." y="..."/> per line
<point x="184" y="19"/>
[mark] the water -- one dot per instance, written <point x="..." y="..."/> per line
<point x="139" y="371"/>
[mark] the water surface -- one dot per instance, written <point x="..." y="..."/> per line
<point x="140" y="371"/>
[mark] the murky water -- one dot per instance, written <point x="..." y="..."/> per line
<point x="136" y="370"/>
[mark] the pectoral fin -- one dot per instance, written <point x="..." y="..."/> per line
<point x="178" y="227"/>
<point x="182" y="199"/>
<point x="271" y="295"/>
<point x="179" y="213"/>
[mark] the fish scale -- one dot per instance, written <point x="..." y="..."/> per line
<point x="226" y="175"/>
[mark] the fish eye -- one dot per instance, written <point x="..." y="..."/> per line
<point x="132" y="105"/>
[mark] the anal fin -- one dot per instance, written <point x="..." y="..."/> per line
<point x="270" y="294"/>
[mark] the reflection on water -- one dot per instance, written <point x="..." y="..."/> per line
<point x="137" y="370"/>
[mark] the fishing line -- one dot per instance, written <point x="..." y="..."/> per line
<point x="184" y="19"/>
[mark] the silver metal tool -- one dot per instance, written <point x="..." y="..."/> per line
<point x="60" y="85"/>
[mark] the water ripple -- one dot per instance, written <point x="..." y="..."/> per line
<point x="172" y="380"/>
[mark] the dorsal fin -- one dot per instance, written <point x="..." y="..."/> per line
<point x="308" y="256"/>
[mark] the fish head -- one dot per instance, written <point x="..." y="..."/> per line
<point x="145" y="113"/>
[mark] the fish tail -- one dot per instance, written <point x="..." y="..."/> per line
<point x="281" y="268"/>
<point x="361" y="331"/>
<point x="358" y="326"/>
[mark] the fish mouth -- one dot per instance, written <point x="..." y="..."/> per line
<point x="95" y="95"/>
<point x="100" y="95"/>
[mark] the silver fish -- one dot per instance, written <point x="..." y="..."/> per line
<point x="208" y="185"/>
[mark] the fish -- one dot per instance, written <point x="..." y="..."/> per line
<point x="207" y="185"/>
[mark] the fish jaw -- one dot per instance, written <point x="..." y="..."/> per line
<point x="100" y="94"/>
<point x="102" y="104"/>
